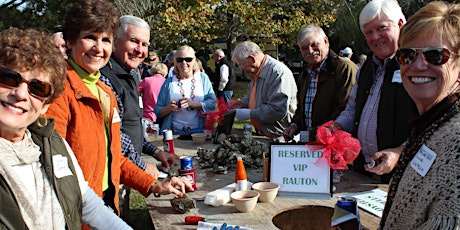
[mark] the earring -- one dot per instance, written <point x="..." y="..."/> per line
<point x="37" y="122"/>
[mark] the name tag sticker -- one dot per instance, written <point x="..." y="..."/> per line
<point x="141" y="103"/>
<point x="397" y="77"/>
<point x="61" y="167"/>
<point x="116" y="116"/>
<point x="423" y="160"/>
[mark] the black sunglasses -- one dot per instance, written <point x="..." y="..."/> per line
<point x="433" y="55"/>
<point x="187" y="59"/>
<point x="11" y="79"/>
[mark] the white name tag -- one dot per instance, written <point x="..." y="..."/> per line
<point x="61" y="166"/>
<point x="423" y="160"/>
<point x="141" y="103"/>
<point x="116" y="116"/>
<point x="397" y="77"/>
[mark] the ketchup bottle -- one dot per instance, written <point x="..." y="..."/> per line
<point x="241" y="179"/>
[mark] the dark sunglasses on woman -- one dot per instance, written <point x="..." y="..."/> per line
<point x="433" y="55"/>
<point x="12" y="79"/>
<point x="187" y="59"/>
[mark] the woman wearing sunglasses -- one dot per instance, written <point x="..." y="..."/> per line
<point x="185" y="96"/>
<point x="32" y="75"/>
<point x="425" y="189"/>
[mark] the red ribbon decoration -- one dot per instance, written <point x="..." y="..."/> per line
<point x="340" y="148"/>
<point x="218" y="115"/>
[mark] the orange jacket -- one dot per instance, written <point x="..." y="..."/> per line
<point x="79" y="118"/>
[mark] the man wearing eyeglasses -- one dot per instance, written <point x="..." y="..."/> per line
<point x="379" y="108"/>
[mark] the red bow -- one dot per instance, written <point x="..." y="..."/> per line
<point x="218" y="115"/>
<point x="340" y="148"/>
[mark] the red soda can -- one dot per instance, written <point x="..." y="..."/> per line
<point x="168" y="141"/>
<point x="186" y="163"/>
<point x="190" y="175"/>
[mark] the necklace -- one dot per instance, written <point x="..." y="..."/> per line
<point x="192" y="88"/>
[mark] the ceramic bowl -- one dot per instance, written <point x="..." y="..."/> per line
<point x="245" y="201"/>
<point x="199" y="138"/>
<point x="267" y="191"/>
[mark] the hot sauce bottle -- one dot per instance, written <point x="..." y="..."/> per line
<point x="241" y="179"/>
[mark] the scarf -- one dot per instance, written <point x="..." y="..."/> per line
<point x="424" y="126"/>
<point x="45" y="212"/>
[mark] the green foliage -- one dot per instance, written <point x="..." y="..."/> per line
<point x="40" y="14"/>
<point x="199" y="22"/>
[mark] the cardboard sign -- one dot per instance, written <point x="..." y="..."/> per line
<point x="298" y="172"/>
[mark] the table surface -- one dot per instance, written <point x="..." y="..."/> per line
<point x="163" y="216"/>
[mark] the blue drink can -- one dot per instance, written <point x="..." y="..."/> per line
<point x="186" y="163"/>
<point x="348" y="203"/>
<point x="247" y="127"/>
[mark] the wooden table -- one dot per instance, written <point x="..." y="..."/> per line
<point x="163" y="216"/>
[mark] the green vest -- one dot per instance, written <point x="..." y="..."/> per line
<point x="67" y="188"/>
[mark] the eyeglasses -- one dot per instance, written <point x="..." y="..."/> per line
<point x="433" y="55"/>
<point x="37" y="88"/>
<point x="186" y="59"/>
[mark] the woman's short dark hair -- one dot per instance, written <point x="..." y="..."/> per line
<point x="91" y="15"/>
<point x="33" y="50"/>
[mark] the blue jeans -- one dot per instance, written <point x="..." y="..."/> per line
<point x="227" y="94"/>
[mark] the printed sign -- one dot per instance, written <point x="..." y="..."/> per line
<point x="372" y="201"/>
<point x="298" y="172"/>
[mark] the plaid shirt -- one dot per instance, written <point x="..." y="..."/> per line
<point x="311" y="92"/>
<point x="367" y="130"/>
<point x="127" y="146"/>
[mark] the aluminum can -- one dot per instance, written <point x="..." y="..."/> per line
<point x="190" y="175"/>
<point x="247" y="127"/>
<point x="348" y="203"/>
<point x="186" y="163"/>
<point x="168" y="141"/>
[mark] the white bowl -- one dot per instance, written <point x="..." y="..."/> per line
<point x="267" y="191"/>
<point x="245" y="201"/>
<point x="199" y="138"/>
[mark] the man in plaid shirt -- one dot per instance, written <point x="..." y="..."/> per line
<point x="324" y="85"/>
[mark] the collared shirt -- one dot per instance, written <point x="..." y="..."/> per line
<point x="311" y="92"/>
<point x="367" y="130"/>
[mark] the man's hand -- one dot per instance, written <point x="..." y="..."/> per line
<point x="389" y="159"/>
<point x="288" y="133"/>
<point x="167" y="159"/>
<point x="152" y="170"/>
<point x="173" y="185"/>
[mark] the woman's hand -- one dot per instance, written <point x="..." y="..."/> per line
<point x="173" y="185"/>
<point x="173" y="107"/>
<point x="188" y="103"/>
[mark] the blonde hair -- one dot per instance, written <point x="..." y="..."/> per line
<point x="159" y="68"/>
<point x="435" y="17"/>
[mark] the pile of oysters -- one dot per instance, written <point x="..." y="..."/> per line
<point x="224" y="157"/>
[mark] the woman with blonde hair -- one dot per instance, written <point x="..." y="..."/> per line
<point x="424" y="191"/>
<point x="185" y="96"/>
